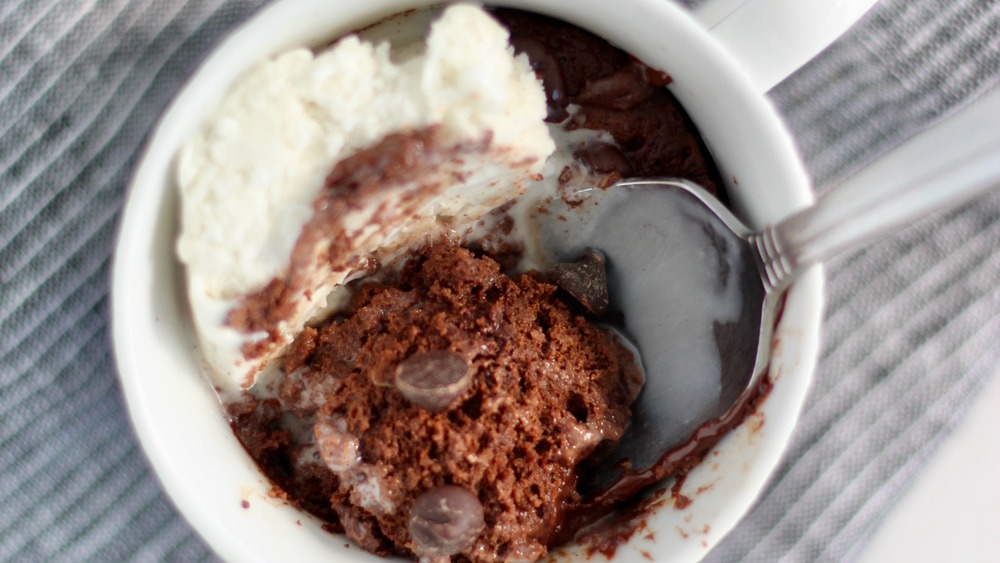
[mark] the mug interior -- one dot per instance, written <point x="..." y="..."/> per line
<point x="178" y="418"/>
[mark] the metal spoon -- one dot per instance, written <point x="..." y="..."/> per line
<point x="943" y="166"/>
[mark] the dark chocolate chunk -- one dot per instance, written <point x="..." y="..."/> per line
<point x="445" y="520"/>
<point x="621" y="90"/>
<point x="603" y="158"/>
<point x="585" y="279"/>
<point x="433" y="380"/>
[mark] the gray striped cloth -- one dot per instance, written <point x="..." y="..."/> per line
<point x="913" y="325"/>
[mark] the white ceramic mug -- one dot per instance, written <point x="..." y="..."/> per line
<point x="179" y="421"/>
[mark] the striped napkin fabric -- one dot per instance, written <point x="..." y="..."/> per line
<point x="912" y="326"/>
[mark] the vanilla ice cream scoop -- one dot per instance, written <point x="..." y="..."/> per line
<point x="317" y="167"/>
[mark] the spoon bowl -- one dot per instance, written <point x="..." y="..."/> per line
<point x="704" y="337"/>
<point x="732" y="301"/>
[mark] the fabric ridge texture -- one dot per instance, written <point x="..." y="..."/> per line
<point x="911" y="329"/>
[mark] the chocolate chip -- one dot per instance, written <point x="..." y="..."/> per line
<point x="621" y="90"/>
<point x="433" y="380"/>
<point x="585" y="279"/>
<point x="445" y="520"/>
<point x="602" y="158"/>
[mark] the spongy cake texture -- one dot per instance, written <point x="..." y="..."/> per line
<point x="547" y="387"/>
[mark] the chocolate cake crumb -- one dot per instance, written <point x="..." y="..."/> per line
<point x="546" y="387"/>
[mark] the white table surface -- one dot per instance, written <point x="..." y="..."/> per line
<point x="952" y="510"/>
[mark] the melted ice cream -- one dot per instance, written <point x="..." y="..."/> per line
<point x="252" y="179"/>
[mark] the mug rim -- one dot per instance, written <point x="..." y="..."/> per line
<point x="141" y="300"/>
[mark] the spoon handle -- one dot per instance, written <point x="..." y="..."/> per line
<point x="940" y="167"/>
